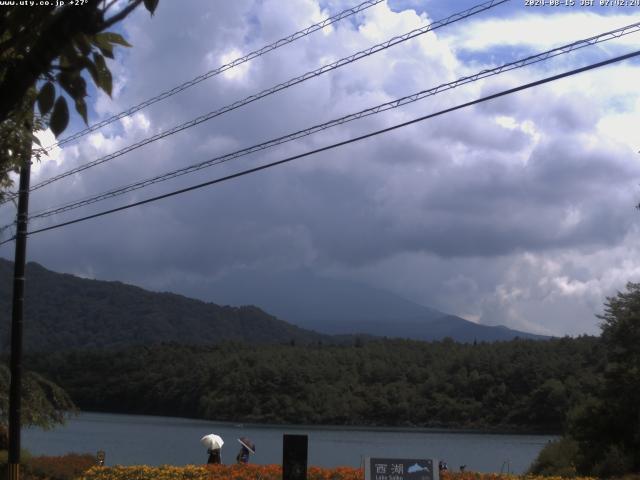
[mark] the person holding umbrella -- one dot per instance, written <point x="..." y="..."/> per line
<point x="214" y="445"/>
<point x="247" y="447"/>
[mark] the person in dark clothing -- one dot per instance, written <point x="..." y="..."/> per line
<point x="243" y="455"/>
<point x="247" y="448"/>
<point x="213" y="444"/>
<point x="214" y="455"/>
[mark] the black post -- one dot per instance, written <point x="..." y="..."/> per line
<point x="16" y="320"/>
<point x="294" y="457"/>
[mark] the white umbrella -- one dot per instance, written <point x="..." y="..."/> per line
<point x="212" y="441"/>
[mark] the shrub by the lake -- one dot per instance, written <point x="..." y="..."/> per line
<point x="66" y="467"/>
<point x="557" y="458"/>
<point x="4" y="456"/>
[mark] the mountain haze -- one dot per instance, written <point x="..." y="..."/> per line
<point x="63" y="311"/>
<point x="341" y="307"/>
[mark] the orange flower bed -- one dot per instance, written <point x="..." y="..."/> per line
<point x="264" y="472"/>
<point x="64" y="467"/>
<point x="216" y="472"/>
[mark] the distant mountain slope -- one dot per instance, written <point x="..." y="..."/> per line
<point x="67" y="312"/>
<point x="336" y="306"/>
<point x="63" y="312"/>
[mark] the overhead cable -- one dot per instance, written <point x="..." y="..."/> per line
<point x="339" y="144"/>
<point x="312" y="74"/>
<point x="223" y="68"/>
<point x="342" y="120"/>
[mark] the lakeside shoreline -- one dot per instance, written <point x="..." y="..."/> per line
<point x="156" y="440"/>
<point x="354" y="428"/>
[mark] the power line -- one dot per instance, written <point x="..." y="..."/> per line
<point x="223" y="68"/>
<point x="312" y="74"/>
<point x="7" y="227"/>
<point x="339" y="144"/>
<point x="342" y="120"/>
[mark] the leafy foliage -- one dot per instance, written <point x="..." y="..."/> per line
<point x="603" y="429"/>
<point x="607" y="426"/>
<point x="43" y="402"/>
<point x="46" y="54"/>
<point x="66" y="467"/>
<point x="556" y="458"/>
<point x="506" y="385"/>
<point x="4" y="457"/>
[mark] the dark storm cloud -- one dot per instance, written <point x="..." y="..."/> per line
<point x="469" y="197"/>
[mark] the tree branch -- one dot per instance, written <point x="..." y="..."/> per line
<point x="121" y="15"/>
<point x="57" y="33"/>
<point x="107" y="7"/>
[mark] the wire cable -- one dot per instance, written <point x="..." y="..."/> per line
<point x="340" y="144"/>
<point x="312" y="74"/>
<point x="223" y="68"/>
<point x="342" y="120"/>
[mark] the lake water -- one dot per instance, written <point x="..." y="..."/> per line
<point x="137" y="439"/>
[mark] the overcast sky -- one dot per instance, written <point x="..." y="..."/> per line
<point x="519" y="211"/>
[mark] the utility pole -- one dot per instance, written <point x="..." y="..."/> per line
<point x="17" y="314"/>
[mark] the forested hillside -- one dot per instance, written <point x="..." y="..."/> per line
<point x="522" y="384"/>
<point x="67" y="312"/>
<point x="63" y="311"/>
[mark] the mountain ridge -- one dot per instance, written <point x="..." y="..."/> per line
<point x="337" y="306"/>
<point x="63" y="311"/>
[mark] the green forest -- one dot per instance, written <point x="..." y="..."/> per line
<point x="518" y="385"/>
<point x="585" y="388"/>
<point x="66" y="312"/>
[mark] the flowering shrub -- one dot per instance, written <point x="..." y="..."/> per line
<point x="216" y="472"/>
<point x="66" y="467"/>
<point x="264" y="472"/>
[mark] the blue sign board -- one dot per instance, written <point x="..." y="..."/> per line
<point x="400" y="469"/>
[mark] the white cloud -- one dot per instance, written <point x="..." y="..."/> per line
<point x="238" y="73"/>
<point x="538" y="31"/>
<point x="518" y="211"/>
<point x="47" y="138"/>
<point x="623" y="126"/>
